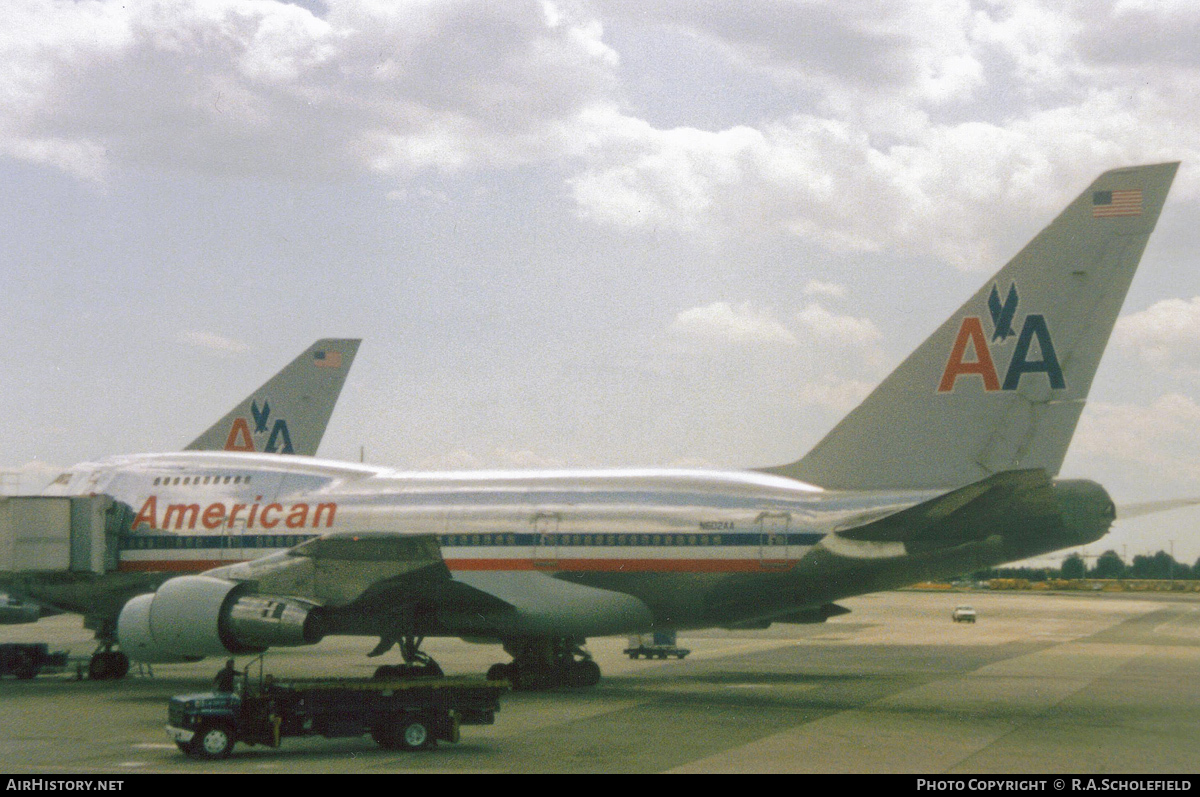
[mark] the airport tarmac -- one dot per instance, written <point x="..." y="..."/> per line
<point x="1042" y="683"/>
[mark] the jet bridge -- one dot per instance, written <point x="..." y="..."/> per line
<point x="57" y="534"/>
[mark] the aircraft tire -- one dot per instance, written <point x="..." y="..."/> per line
<point x="119" y="664"/>
<point x="525" y="679"/>
<point x="430" y="670"/>
<point x="583" y="674"/>
<point x="98" y="667"/>
<point x="108" y="665"/>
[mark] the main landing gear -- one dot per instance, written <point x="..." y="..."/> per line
<point x="107" y="664"/>
<point x="417" y="664"/>
<point x="545" y="664"/>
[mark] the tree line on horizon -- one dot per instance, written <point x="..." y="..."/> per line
<point x="1108" y="565"/>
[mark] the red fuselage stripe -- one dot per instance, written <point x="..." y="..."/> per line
<point x="552" y="565"/>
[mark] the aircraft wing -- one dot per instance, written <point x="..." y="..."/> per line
<point x="388" y="584"/>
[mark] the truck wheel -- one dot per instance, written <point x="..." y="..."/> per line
<point x="213" y="741"/>
<point x="415" y="732"/>
<point x="499" y="672"/>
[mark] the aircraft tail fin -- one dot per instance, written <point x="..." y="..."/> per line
<point x="289" y="413"/>
<point x="1000" y="385"/>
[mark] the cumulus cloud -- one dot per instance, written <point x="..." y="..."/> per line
<point x="1166" y="334"/>
<point x="990" y="118"/>
<point x="829" y="290"/>
<point x="736" y="324"/>
<point x="941" y="127"/>
<point x="212" y="342"/>
<point x="815" y="330"/>
<point x="818" y="323"/>
<point x="269" y="88"/>
<point x="958" y="191"/>
<point x="1161" y="438"/>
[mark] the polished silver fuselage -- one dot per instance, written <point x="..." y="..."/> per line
<point x="568" y="553"/>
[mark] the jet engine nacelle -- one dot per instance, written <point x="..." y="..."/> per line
<point x="196" y="616"/>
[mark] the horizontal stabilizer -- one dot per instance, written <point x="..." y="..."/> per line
<point x="1129" y="511"/>
<point x="969" y="513"/>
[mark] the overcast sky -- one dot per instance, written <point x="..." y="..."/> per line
<point x="651" y="233"/>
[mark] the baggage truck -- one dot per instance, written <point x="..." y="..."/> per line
<point x="399" y="714"/>
<point x="26" y="659"/>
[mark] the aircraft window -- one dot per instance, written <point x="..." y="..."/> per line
<point x="156" y="481"/>
<point x="227" y="478"/>
<point x="176" y="480"/>
<point x="247" y="480"/>
<point x="187" y="479"/>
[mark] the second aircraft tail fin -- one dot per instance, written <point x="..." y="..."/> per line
<point x="289" y="413"/>
<point x="1000" y="385"/>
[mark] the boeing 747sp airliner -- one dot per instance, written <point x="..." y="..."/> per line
<point x="948" y="466"/>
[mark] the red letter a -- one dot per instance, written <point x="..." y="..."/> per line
<point x="971" y="332"/>
<point x="239" y="437"/>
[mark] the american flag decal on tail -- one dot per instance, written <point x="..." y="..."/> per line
<point x="327" y="359"/>
<point x="1110" y="204"/>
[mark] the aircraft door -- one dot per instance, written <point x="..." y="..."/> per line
<point x="545" y="540"/>
<point x="773" y="548"/>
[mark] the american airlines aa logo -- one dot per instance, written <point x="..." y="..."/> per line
<point x="241" y="439"/>
<point x="1032" y="341"/>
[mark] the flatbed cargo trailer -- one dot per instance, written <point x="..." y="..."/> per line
<point x="399" y="714"/>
